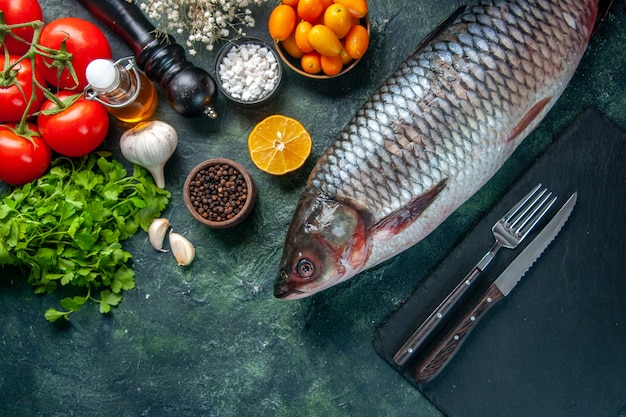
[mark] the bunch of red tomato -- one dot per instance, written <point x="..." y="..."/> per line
<point x="41" y="105"/>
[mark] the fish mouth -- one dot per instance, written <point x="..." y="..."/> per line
<point x="288" y="294"/>
<point x="284" y="291"/>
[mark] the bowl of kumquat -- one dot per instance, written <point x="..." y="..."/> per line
<point x="320" y="39"/>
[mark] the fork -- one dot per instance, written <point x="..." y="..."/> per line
<point x="508" y="232"/>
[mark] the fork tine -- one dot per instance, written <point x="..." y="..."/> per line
<point x="529" y="210"/>
<point x="536" y="216"/>
<point x="509" y="214"/>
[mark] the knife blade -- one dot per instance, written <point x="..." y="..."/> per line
<point x="445" y="350"/>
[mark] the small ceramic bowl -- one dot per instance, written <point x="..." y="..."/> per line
<point x="294" y="63"/>
<point x="220" y="193"/>
<point x="248" y="71"/>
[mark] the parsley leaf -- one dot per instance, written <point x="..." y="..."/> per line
<point x="107" y="300"/>
<point x="66" y="228"/>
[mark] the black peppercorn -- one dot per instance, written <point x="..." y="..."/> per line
<point x="218" y="193"/>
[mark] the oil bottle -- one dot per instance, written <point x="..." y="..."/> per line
<point x="125" y="91"/>
<point x="189" y="90"/>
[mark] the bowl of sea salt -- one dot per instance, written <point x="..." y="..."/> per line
<point x="248" y="71"/>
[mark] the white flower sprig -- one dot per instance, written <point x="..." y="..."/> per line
<point x="203" y="21"/>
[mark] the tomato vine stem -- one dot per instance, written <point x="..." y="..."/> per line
<point x="60" y="58"/>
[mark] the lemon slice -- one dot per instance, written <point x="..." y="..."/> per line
<point x="279" y="144"/>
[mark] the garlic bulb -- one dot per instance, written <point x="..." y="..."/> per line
<point x="150" y="144"/>
<point x="156" y="233"/>
<point x="183" y="250"/>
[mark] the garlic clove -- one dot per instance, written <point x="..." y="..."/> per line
<point x="183" y="250"/>
<point x="156" y="232"/>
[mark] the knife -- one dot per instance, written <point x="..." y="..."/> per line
<point x="500" y="288"/>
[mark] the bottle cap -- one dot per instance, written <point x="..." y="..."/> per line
<point x="102" y="74"/>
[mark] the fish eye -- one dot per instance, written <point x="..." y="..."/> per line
<point x="305" y="268"/>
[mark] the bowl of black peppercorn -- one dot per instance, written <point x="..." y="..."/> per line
<point x="220" y="193"/>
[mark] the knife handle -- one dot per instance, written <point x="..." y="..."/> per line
<point x="440" y="314"/>
<point x="417" y="339"/>
<point x="450" y="344"/>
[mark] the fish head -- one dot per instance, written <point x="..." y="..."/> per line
<point x="326" y="244"/>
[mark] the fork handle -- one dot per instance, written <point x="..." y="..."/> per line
<point x="447" y="306"/>
<point x="450" y="344"/>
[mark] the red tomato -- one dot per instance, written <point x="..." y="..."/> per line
<point x="17" y="12"/>
<point x="16" y="91"/>
<point x="77" y="130"/>
<point x="22" y="160"/>
<point x="83" y="40"/>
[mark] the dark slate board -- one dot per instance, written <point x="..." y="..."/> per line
<point x="557" y="345"/>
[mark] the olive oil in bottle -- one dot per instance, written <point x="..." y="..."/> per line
<point x="125" y="91"/>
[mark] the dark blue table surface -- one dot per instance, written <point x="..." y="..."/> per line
<point x="210" y="339"/>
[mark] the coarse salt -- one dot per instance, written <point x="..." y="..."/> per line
<point x="249" y="72"/>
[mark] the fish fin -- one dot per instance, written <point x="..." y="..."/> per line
<point x="400" y="219"/>
<point x="603" y="10"/>
<point x="440" y="28"/>
<point x="528" y="118"/>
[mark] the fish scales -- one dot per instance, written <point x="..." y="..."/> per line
<point x="436" y="131"/>
<point x="517" y="77"/>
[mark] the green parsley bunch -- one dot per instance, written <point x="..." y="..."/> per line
<point x="67" y="226"/>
